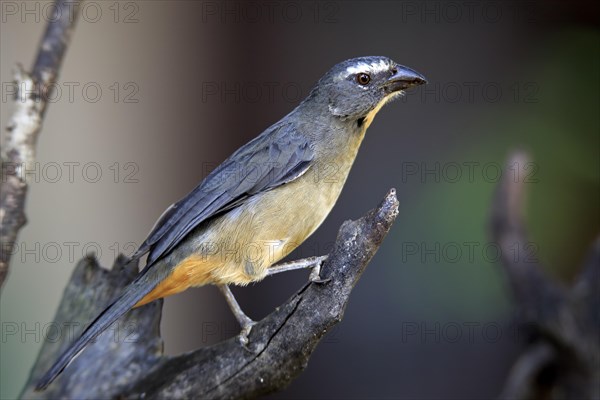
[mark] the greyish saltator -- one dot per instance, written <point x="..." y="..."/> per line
<point x="263" y="201"/>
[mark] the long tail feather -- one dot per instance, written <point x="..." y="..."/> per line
<point x="139" y="288"/>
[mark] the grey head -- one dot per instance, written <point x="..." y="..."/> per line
<point x="356" y="89"/>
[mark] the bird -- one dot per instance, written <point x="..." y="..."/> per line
<point x="263" y="201"/>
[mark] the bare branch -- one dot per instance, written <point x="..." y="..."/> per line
<point x="26" y="122"/>
<point x="562" y="356"/>
<point x="524" y="270"/>
<point x="279" y="346"/>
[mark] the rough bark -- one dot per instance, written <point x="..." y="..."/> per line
<point x="23" y="129"/>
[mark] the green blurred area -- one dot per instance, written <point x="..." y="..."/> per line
<point x="560" y="132"/>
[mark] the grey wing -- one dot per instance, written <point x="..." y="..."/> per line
<point x="272" y="159"/>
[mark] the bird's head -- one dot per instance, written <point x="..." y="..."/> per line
<point x="356" y="89"/>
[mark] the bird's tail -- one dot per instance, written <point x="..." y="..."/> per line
<point x="141" y="286"/>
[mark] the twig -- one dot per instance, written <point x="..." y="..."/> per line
<point x="279" y="345"/>
<point x="26" y="122"/>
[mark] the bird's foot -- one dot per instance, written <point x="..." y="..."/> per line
<point x="247" y="325"/>
<point x="315" y="274"/>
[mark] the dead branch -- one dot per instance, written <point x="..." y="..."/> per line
<point x="26" y="123"/>
<point x="562" y="357"/>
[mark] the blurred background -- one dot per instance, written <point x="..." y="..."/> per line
<point x="154" y="94"/>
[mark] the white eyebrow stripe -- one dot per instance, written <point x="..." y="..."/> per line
<point x="373" y="67"/>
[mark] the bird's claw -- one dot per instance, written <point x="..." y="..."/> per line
<point x="243" y="336"/>
<point x="315" y="277"/>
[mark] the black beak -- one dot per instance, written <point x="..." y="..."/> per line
<point x="404" y="78"/>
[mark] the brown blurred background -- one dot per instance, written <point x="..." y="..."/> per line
<point x="154" y="94"/>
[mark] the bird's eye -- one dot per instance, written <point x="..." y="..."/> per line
<point x="394" y="71"/>
<point x="363" y="78"/>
